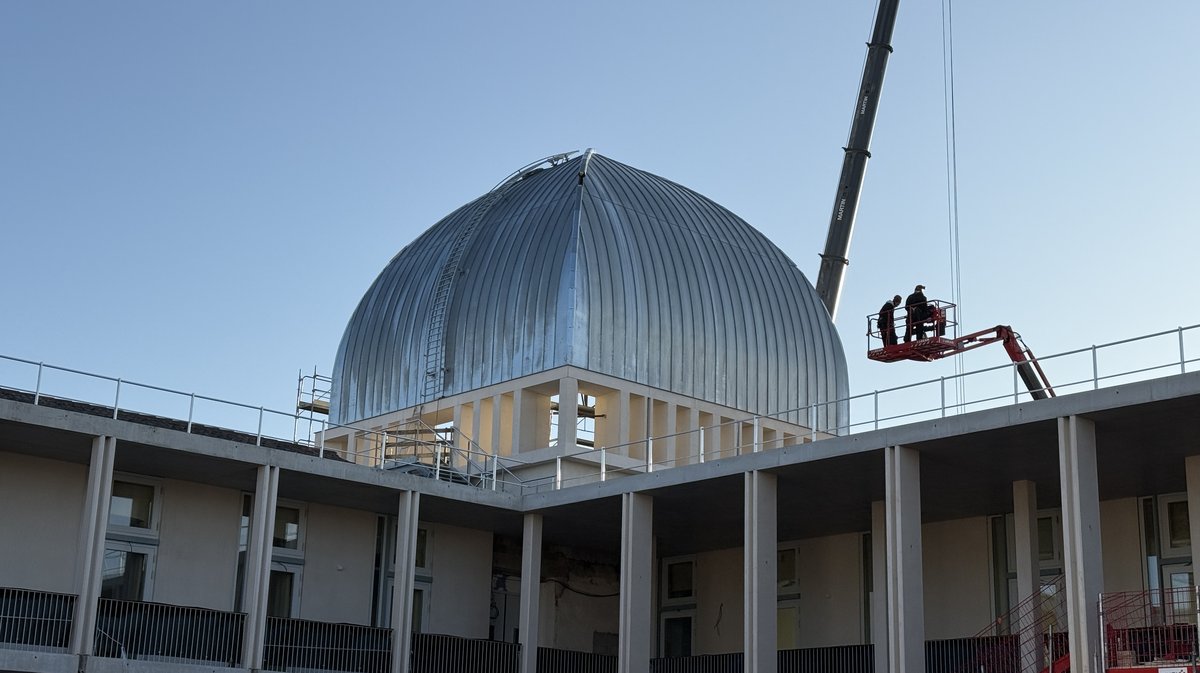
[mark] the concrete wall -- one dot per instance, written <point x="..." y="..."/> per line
<point x="1120" y="537"/>
<point x="43" y="506"/>
<point x="339" y="565"/>
<point x="461" y="566"/>
<point x="719" y="613"/>
<point x="197" y="545"/>
<point x="958" y="591"/>
<point x="830" y="578"/>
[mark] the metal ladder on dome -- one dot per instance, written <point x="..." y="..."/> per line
<point x="435" y="343"/>
<point x="443" y="289"/>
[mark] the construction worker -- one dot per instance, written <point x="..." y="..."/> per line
<point x="887" y="321"/>
<point x="917" y="309"/>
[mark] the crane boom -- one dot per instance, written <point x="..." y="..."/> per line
<point x="854" y="166"/>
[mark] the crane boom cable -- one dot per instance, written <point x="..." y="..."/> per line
<point x="952" y="175"/>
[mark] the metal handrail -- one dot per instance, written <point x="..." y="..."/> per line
<point x="474" y="456"/>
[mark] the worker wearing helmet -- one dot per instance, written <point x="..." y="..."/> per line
<point x="886" y="322"/>
<point x="917" y="308"/>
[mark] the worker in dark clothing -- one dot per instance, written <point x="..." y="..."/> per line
<point x="887" y="321"/>
<point x="917" y="307"/>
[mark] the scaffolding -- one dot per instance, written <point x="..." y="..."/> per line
<point x="312" y="406"/>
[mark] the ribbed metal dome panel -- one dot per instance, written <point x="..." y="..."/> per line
<point x="623" y="273"/>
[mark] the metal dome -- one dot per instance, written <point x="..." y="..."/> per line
<point x="591" y="263"/>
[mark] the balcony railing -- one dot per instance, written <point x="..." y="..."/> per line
<point x="167" y="633"/>
<point x="36" y="620"/>
<point x="434" y="653"/>
<point x="301" y="644"/>
<point x="1150" y="628"/>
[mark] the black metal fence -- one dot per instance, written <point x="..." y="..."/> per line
<point x="161" y="632"/>
<point x="36" y="620"/>
<point x="304" y="644"/>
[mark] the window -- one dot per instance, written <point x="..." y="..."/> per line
<point x="287" y="528"/>
<point x="1174" y="526"/>
<point x="385" y="572"/>
<point x="677" y="631"/>
<point x="787" y="580"/>
<point x="1049" y="535"/>
<point x="131" y="540"/>
<point x="287" y="557"/>
<point x="678" y="580"/>
<point x="132" y="505"/>
<point x="127" y="571"/>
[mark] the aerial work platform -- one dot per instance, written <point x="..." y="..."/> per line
<point x="924" y="339"/>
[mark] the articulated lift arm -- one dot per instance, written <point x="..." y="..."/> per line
<point x="939" y="346"/>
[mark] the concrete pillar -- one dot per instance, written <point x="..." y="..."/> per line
<point x="669" y="427"/>
<point x="568" y="414"/>
<point x="531" y="584"/>
<point x="636" y="619"/>
<point x="1081" y="539"/>
<point x="476" y="424"/>
<point x="519" y="421"/>
<point x="694" y="437"/>
<point x="92" y="530"/>
<point x="258" y="565"/>
<point x="1028" y="582"/>
<point x="407" y="516"/>
<point x="497" y="414"/>
<point x="905" y="589"/>
<point x="759" y="633"/>
<point x="879" y="601"/>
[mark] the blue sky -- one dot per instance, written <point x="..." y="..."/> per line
<point x="196" y="194"/>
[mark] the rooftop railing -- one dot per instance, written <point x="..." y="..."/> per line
<point x="459" y="458"/>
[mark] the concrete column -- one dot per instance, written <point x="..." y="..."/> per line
<point x="905" y="589"/>
<point x="760" y="594"/>
<point x="636" y="619"/>
<point x="670" y="441"/>
<point x="531" y="584"/>
<point x="694" y="437"/>
<point x="407" y="515"/>
<point x="497" y="415"/>
<point x="518" y="421"/>
<point x="623" y="426"/>
<point x="568" y="414"/>
<point x="258" y="565"/>
<point x="476" y="423"/>
<point x="1081" y="539"/>
<point x="1028" y="582"/>
<point x="879" y="557"/>
<point x="92" y="530"/>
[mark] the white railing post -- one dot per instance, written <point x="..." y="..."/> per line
<point x="1095" y="371"/>
<point x="649" y="455"/>
<point x="437" y="459"/>
<point x="943" y="385"/>
<point x="603" y="464"/>
<point x="812" y="422"/>
<point x="495" y="469"/>
<point x="756" y="439"/>
<point x="702" y="433"/>
<point x="37" y="388"/>
<point x="876" y="396"/>
<point x="1016" y="389"/>
<point x="1182" y="359"/>
<point x="557" y="472"/>
<point x="258" y="440"/>
<point x="191" y="410"/>
<point x="117" y="399"/>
